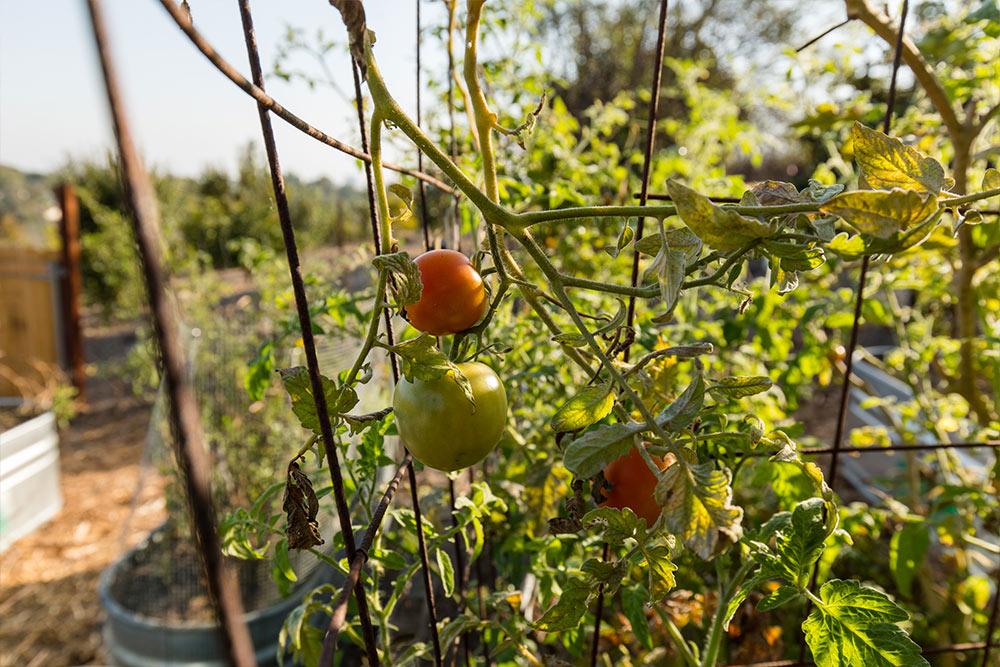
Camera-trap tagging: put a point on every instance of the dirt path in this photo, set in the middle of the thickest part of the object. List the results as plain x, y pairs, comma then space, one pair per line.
49, 606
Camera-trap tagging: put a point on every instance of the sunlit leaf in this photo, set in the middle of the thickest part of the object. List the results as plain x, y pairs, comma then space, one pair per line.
857, 625
615, 525
589, 406
886, 162
782, 595
661, 572
720, 228
569, 610
740, 386
447, 571
882, 213
299, 388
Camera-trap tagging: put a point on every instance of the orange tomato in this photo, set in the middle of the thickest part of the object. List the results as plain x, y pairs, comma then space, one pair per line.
453, 297
632, 485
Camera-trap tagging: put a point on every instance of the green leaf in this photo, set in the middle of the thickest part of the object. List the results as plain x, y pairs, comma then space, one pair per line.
882, 213
456, 627
886, 162
624, 238
697, 507
634, 606
907, 549
282, 562
798, 544
447, 571
779, 597
589, 406
570, 339
422, 360
740, 386
685, 407
615, 525
661, 572
258, 377
848, 247
408, 286
609, 573
856, 625
991, 179
821, 193
721, 228
400, 204
591, 452
299, 388
567, 613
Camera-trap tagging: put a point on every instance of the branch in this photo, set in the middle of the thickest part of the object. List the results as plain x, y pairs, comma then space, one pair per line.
882, 26
272, 105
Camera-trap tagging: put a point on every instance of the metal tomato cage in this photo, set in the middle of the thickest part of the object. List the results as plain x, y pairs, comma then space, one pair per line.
184, 417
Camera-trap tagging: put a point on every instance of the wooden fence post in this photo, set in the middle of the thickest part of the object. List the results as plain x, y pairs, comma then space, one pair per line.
71, 285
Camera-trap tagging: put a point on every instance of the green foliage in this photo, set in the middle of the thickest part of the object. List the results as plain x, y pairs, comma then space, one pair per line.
858, 625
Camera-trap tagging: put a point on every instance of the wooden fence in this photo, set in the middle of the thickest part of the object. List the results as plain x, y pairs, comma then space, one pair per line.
39, 310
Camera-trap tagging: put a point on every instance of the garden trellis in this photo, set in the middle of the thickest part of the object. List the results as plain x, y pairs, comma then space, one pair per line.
184, 419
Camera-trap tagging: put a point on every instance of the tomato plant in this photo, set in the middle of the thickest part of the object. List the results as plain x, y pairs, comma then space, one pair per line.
711, 508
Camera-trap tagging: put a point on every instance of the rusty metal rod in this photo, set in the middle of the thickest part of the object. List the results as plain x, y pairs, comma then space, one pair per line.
360, 557
185, 420
305, 324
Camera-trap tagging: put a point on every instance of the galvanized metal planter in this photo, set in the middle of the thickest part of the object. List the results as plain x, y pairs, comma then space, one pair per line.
29, 477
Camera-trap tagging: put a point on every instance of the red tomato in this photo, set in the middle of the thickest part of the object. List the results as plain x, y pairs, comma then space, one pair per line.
632, 485
453, 297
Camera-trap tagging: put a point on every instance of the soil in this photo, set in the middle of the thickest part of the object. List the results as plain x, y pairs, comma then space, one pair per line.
48, 579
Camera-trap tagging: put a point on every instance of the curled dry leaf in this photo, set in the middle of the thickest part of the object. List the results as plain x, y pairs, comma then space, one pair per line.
301, 507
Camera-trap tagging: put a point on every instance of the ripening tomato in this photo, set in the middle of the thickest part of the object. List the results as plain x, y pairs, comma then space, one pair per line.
439, 425
632, 485
453, 298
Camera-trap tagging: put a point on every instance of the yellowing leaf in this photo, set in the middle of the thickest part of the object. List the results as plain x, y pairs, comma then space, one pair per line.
882, 213
991, 180
588, 406
886, 162
721, 228
697, 507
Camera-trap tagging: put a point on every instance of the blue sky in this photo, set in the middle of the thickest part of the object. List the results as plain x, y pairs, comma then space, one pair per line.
185, 114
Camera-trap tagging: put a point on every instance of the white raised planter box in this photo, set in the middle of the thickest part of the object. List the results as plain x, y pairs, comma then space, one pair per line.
29, 477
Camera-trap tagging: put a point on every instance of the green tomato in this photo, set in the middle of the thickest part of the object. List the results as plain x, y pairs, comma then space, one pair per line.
439, 425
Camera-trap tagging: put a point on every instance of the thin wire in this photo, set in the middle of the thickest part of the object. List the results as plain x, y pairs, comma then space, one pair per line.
824, 34
185, 420
858, 305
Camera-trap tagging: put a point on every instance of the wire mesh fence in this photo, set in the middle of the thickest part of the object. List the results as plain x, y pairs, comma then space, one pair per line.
183, 419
